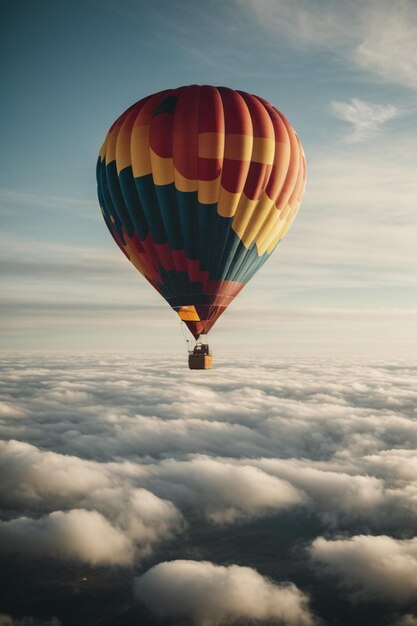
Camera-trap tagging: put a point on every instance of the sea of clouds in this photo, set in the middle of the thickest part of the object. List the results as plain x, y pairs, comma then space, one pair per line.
110, 460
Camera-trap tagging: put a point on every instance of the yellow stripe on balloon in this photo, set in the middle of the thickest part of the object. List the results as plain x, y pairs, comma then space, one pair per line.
292, 213
285, 212
269, 230
238, 147
227, 202
263, 150
208, 190
188, 313
134, 257
256, 219
282, 155
211, 145
141, 158
244, 212
284, 224
184, 184
275, 241
103, 148
162, 169
111, 146
123, 153
283, 231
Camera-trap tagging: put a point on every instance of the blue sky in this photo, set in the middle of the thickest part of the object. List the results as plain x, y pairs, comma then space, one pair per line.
343, 281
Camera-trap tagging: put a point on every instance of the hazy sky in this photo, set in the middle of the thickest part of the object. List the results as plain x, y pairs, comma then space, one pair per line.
345, 74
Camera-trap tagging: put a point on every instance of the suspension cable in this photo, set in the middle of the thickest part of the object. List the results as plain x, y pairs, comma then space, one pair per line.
188, 342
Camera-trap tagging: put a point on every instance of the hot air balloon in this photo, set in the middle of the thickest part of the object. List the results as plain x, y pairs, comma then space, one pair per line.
197, 186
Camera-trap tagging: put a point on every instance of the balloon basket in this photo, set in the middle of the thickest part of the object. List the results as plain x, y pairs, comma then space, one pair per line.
200, 358
200, 361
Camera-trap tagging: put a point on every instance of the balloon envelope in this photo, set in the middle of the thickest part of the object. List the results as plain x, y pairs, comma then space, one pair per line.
197, 186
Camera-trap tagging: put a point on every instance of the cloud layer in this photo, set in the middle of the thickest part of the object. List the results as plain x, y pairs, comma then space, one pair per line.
111, 461
89, 513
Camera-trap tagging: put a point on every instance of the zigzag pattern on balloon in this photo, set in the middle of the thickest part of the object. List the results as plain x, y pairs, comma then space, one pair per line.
198, 185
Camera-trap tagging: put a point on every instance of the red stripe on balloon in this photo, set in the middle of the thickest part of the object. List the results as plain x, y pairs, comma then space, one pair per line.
261, 120
210, 111
234, 174
236, 115
160, 137
257, 180
185, 133
209, 169
237, 122
135, 107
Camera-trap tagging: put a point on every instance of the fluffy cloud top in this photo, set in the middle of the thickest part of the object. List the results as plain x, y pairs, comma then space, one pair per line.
223, 491
111, 520
78, 534
108, 458
211, 594
335, 495
33, 477
376, 566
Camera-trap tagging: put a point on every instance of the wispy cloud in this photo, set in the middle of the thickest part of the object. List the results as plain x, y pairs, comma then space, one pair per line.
352, 245
10, 199
366, 119
388, 45
379, 37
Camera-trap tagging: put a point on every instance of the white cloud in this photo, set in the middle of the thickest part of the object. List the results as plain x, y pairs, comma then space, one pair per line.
144, 518
305, 23
377, 36
130, 460
32, 477
223, 492
399, 465
366, 119
219, 491
362, 497
151, 449
209, 594
130, 519
9, 411
372, 566
388, 46
77, 534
